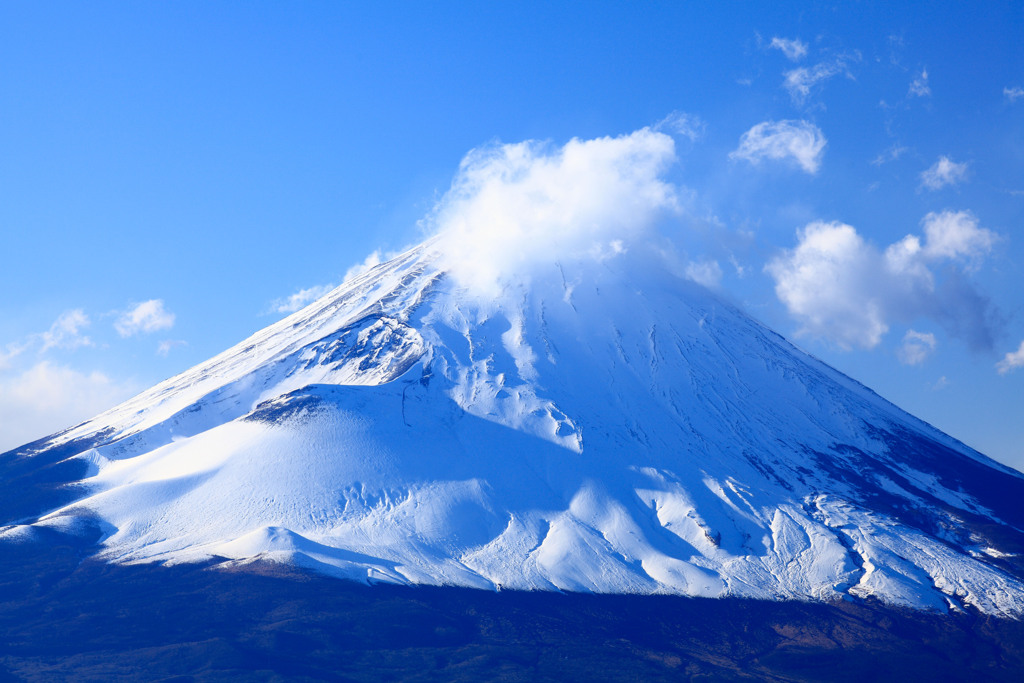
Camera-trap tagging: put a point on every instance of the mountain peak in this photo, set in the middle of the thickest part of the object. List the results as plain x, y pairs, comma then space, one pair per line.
597, 424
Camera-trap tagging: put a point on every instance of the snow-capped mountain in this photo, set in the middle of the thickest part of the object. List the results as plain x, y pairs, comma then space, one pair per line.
599, 424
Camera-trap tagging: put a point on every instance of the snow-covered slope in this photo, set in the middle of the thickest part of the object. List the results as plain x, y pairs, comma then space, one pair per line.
599, 425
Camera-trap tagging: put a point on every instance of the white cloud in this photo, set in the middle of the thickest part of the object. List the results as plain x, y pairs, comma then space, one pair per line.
371, 261
955, 235
168, 345
304, 297
707, 273
943, 172
916, 348
919, 86
801, 81
940, 384
1013, 94
685, 125
740, 269
514, 205
891, 154
301, 298
65, 332
1012, 360
822, 282
841, 288
801, 141
794, 49
9, 353
46, 398
148, 316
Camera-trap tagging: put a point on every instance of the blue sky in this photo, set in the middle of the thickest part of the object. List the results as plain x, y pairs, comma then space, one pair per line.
172, 175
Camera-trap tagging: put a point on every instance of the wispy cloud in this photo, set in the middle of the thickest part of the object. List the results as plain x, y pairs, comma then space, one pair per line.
795, 49
47, 397
844, 289
1013, 94
943, 172
919, 86
707, 273
10, 352
148, 316
800, 82
66, 331
891, 154
371, 261
685, 125
168, 345
1012, 360
301, 298
800, 141
917, 347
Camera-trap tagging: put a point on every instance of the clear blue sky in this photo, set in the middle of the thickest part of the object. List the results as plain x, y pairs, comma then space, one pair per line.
171, 172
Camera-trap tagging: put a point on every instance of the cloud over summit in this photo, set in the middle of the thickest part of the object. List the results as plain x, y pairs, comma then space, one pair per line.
513, 205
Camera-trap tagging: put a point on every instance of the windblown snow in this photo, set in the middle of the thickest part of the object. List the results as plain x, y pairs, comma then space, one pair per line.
600, 425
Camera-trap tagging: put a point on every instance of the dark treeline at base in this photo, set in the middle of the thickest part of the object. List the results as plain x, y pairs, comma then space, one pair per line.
65, 619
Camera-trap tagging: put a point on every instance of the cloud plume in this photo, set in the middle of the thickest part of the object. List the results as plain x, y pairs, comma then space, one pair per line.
513, 205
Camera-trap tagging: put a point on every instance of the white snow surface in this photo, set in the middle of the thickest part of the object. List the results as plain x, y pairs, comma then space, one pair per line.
599, 426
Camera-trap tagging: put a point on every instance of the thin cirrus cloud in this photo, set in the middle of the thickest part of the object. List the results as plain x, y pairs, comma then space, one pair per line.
892, 154
1012, 360
1013, 94
800, 82
148, 316
304, 297
841, 288
916, 347
685, 125
942, 173
66, 331
300, 299
919, 86
165, 347
794, 49
799, 141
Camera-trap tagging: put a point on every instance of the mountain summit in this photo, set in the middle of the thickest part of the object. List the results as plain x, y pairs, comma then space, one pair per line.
598, 424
